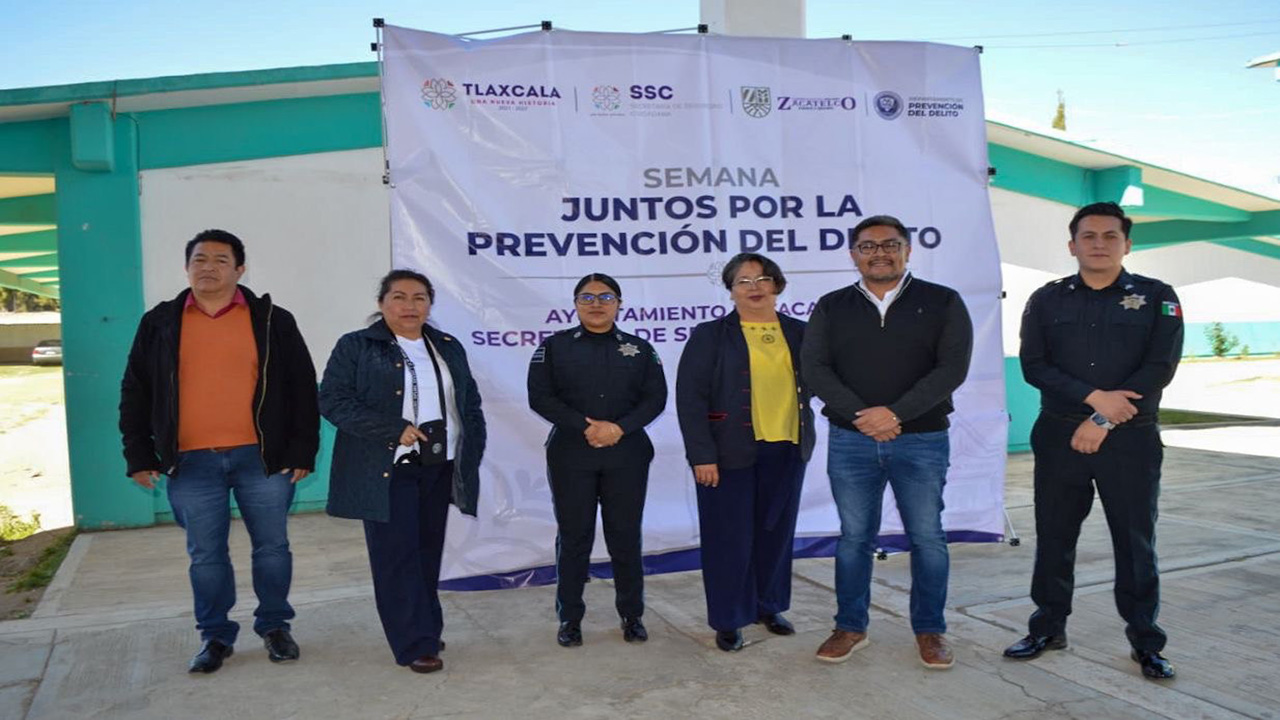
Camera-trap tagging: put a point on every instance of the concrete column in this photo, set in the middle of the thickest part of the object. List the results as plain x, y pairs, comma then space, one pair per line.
100, 269
764, 18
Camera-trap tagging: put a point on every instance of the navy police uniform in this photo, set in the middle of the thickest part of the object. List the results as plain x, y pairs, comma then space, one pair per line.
613, 376
1127, 336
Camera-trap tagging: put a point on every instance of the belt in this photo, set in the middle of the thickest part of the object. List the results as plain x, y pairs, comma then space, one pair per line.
224, 448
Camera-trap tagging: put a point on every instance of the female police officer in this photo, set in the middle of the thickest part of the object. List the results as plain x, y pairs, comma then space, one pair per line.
598, 387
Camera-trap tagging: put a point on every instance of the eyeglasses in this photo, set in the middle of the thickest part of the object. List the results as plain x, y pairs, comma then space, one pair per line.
588, 298
888, 247
753, 282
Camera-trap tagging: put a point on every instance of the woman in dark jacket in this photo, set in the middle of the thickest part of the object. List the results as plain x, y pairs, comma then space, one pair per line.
748, 432
410, 438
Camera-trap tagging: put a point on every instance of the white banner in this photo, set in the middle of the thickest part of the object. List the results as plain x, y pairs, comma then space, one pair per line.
520, 164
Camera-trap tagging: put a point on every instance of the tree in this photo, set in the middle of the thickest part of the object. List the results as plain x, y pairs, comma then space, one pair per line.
1221, 340
19, 301
1060, 118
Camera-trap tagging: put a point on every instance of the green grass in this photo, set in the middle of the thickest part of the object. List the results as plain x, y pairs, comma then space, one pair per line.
13, 527
41, 574
1191, 417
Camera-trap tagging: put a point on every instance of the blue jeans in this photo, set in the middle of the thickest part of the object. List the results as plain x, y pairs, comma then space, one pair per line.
915, 464
199, 493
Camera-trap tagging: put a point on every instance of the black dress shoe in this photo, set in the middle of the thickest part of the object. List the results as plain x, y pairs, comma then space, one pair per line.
633, 630
570, 634
729, 640
777, 624
1153, 664
280, 645
1032, 645
210, 657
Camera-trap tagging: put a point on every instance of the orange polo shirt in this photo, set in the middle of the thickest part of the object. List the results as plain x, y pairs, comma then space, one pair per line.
217, 376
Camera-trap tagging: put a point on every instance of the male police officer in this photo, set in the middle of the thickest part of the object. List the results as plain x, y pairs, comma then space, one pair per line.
1100, 345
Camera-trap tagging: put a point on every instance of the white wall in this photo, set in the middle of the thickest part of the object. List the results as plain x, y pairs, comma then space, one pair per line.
315, 227
1032, 235
760, 18
1031, 232
1198, 262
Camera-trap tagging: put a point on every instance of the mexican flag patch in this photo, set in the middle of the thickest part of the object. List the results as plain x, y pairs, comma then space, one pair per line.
1172, 309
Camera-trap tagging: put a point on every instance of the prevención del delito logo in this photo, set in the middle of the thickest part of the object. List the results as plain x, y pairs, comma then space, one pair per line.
888, 104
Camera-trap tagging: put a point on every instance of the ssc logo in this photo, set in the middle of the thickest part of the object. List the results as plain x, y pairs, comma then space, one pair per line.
606, 98
756, 101
439, 94
888, 104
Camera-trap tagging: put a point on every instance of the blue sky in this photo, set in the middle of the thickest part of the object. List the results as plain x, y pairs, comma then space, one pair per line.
1161, 81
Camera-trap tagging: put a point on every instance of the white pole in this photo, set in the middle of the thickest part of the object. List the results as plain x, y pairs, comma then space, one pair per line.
764, 18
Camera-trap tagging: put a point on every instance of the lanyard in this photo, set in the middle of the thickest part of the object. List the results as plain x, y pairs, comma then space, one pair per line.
413, 375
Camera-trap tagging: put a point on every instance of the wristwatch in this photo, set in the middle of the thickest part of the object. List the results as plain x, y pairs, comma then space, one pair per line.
1101, 421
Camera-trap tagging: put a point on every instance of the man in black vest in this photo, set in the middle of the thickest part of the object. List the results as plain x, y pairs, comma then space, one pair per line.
1100, 345
885, 354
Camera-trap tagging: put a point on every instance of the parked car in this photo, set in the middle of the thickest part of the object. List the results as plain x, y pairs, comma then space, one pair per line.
47, 352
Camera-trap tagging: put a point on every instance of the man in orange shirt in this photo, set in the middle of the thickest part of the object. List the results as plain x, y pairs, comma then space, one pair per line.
220, 396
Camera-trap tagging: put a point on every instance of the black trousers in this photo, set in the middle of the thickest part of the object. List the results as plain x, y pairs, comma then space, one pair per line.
748, 527
404, 555
619, 492
1126, 472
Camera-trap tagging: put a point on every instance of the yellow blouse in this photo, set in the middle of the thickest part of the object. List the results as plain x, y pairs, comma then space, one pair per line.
775, 411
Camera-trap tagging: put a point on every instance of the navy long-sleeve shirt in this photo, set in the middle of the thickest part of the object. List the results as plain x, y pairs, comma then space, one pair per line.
1127, 336
613, 376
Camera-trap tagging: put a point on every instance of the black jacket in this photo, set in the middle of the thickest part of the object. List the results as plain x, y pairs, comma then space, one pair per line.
713, 393
286, 417
1127, 336
910, 361
363, 396
613, 376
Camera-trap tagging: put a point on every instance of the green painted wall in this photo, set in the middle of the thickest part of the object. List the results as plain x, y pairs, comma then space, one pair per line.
1261, 338
246, 131
28, 146
100, 268
28, 210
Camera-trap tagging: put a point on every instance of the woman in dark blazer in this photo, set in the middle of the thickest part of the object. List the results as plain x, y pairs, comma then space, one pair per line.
410, 438
748, 432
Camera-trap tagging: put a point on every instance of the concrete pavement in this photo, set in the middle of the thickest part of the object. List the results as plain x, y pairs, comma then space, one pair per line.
113, 634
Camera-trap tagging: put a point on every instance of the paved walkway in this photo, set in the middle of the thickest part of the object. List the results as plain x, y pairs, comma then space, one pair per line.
112, 636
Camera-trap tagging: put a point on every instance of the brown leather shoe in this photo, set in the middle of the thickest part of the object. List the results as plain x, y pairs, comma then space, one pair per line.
841, 645
935, 651
427, 664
